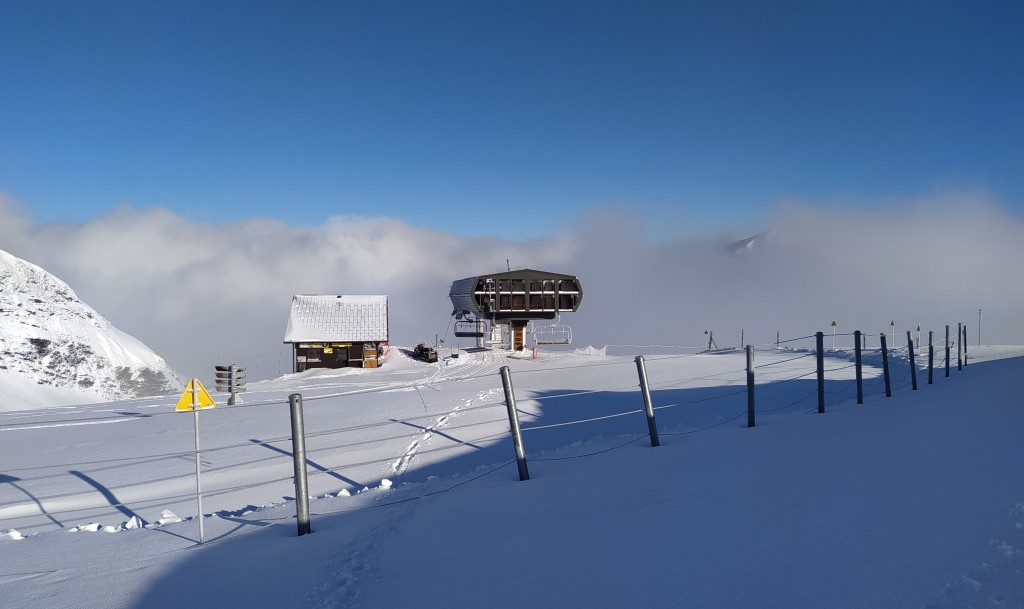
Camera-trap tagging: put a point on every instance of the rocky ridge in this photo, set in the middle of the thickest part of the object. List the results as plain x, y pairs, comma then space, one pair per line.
49, 336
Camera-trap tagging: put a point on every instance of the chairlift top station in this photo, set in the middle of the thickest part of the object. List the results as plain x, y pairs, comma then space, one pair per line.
524, 294
514, 298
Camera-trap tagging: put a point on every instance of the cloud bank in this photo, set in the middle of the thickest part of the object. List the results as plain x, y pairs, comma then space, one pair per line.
200, 294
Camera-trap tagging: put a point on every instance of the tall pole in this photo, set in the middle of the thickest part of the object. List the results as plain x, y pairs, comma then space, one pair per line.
885, 365
959, 346
859, 368
979, 327
931, 356
947, 350
750, 386
965, 344
819, 343
199, 486
299, 464
913, 362
513, 422
645, 391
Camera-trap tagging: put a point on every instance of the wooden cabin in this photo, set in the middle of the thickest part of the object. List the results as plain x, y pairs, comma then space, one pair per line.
337, 331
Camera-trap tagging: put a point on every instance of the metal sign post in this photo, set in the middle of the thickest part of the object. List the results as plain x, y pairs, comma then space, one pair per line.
199, 485
195, 398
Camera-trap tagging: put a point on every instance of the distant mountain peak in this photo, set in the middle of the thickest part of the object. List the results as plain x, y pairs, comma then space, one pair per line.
745, 245
50, 337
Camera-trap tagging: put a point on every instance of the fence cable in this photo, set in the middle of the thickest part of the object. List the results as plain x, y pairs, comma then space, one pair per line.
790, 405
785, 360
457, 443
683, 433
599, 452
700, 400
577, 422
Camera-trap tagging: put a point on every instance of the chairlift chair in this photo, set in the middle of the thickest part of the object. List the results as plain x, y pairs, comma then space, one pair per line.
553, 334
469, 328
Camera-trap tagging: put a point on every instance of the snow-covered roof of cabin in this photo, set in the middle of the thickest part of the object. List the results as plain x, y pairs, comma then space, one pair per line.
337, 318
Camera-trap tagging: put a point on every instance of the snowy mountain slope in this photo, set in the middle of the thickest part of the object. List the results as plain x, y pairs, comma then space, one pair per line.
749, 244
53, 340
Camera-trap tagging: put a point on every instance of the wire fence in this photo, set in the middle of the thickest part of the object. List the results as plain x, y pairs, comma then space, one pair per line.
686, 402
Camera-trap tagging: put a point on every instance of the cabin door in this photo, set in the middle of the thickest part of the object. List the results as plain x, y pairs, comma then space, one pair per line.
335, 357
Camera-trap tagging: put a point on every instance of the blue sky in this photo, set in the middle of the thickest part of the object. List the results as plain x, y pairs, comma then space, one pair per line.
505, 118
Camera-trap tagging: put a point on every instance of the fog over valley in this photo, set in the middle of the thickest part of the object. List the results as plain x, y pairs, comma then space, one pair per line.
200, 293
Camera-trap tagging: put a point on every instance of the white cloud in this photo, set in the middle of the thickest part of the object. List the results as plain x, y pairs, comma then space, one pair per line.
927, 262
205, 293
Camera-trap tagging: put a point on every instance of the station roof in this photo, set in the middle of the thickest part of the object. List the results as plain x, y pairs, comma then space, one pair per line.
337, 318
504, 299
522, 274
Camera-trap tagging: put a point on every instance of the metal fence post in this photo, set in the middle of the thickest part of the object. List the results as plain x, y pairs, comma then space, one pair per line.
885, 365
820, 342
859, 369
299, 457
652, 428
947, 350
931, 356
965, 344
913, 362
513, 421
959, 346
750, 386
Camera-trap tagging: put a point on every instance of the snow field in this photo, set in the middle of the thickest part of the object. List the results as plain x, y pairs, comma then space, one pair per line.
909, 498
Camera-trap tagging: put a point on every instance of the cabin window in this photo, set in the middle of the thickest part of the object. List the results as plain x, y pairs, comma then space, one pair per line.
518, 302
518, 285
541, 302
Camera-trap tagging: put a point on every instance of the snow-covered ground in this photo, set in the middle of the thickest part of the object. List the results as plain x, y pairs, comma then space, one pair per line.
911, 501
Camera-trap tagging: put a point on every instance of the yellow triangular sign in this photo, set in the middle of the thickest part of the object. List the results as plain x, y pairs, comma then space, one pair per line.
202, 397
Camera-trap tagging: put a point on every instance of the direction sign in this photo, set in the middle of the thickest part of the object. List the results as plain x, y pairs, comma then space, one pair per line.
195, 397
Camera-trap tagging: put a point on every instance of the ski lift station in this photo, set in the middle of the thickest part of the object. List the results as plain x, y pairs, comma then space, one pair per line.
512, 300
337, 331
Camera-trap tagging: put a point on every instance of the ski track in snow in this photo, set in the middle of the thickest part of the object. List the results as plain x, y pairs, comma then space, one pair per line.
400, 465
445, 371
67, 424
344, 572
